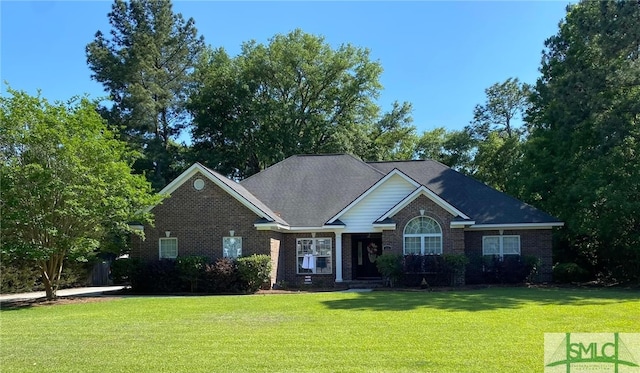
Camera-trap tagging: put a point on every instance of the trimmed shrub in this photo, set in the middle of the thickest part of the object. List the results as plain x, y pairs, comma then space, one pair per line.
455, 265
424, 270
511, 269
221, 277
161, 276
455, 262
390, 267
254, 272
191, 270
123, 269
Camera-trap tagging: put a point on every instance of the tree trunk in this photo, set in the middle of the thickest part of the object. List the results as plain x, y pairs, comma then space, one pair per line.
51, 273
50, 291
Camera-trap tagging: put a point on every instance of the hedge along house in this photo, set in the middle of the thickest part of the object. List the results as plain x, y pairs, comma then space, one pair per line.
328, 217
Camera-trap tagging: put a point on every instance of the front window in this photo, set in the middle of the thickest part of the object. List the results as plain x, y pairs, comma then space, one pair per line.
422, 236
501, 245
232, 247
314, 255
168, 248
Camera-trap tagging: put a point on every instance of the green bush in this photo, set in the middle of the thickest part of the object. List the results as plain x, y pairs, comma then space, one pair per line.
18, 277
569, 272
160, 276
390, 267
531, 267
221, 277
123, 269
191, 269
455, 265
254, 272
456, 262
511, 269
76, 273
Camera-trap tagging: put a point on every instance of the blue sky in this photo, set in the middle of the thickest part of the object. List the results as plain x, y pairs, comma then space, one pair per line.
439, 56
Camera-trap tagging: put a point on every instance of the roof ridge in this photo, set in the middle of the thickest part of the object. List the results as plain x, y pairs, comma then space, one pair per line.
401, 160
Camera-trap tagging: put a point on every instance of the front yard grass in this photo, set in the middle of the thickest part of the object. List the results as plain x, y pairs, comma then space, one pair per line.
488, 330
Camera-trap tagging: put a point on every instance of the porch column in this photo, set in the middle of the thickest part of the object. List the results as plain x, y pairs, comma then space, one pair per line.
338, 256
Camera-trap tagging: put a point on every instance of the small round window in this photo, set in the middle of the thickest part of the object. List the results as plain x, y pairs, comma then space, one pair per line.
198, 184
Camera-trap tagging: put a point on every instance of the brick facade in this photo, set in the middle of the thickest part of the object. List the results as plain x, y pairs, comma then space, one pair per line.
199, 219
290, 260
452, 238
536, 243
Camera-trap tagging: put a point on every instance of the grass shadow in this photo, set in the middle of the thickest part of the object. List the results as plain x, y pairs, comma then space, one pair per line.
15, 305
480, 299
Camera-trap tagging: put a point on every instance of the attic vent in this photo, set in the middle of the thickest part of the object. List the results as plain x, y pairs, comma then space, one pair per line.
198, 184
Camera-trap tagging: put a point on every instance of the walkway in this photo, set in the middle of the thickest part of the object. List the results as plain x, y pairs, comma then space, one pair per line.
88, 291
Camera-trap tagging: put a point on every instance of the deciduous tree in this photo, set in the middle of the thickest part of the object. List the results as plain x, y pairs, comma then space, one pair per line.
295, 95
582, 161
66, 181
497, 133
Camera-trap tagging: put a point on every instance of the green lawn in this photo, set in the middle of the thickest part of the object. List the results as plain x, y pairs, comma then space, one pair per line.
488, 330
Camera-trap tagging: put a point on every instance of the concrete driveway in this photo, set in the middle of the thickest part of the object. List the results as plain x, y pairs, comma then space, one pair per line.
88, 291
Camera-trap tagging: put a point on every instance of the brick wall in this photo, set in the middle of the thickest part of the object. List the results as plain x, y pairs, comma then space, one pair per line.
199, 219
536, 242
452, 239
289, 260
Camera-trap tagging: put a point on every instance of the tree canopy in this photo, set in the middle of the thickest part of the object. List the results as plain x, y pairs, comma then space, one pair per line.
66, 182
296, 95
582, 159
146, 65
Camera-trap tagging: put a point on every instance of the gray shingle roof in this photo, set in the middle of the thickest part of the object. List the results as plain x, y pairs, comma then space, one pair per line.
308, 190
480, 202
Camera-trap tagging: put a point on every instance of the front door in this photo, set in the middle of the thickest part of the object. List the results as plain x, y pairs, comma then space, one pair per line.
365, 251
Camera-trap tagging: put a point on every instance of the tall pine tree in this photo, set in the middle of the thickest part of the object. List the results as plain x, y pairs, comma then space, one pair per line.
146, 65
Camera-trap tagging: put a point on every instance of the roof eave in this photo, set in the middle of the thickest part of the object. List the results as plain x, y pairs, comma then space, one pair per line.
271, 226
461, 223
544, 225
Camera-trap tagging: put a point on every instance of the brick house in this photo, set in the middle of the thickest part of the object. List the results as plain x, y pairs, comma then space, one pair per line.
330, 216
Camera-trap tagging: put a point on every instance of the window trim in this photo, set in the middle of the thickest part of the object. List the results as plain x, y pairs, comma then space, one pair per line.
160, 247
232, 237
329, 257
422, 237
501, 237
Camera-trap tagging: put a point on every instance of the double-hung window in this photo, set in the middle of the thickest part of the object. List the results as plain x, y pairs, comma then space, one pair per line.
168, 248
314, 255
501, 245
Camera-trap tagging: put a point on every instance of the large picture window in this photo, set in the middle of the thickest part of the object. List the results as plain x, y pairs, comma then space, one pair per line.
232, 247
314, 255
168, 248
422, 236
501, 245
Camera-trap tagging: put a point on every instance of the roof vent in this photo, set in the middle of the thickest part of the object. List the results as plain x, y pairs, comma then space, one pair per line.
198, 184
